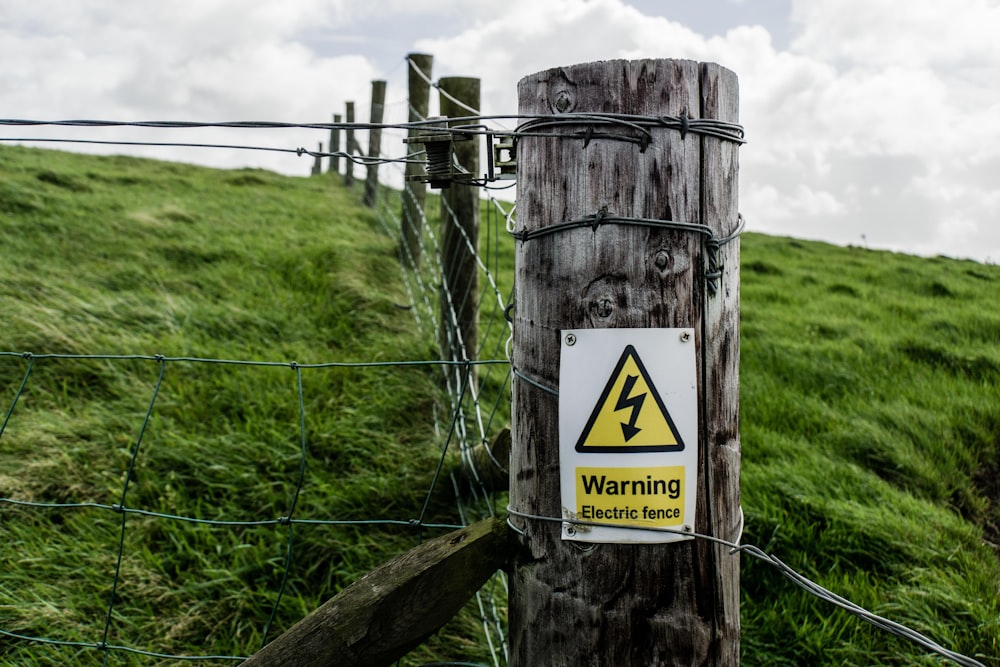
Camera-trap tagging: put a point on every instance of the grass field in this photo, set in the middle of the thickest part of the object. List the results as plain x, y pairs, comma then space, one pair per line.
870, 421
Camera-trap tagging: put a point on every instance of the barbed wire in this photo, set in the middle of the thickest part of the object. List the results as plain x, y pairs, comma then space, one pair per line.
362, 160
532, 125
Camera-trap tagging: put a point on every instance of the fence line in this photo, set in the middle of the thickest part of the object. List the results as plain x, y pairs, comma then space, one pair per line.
427, 287
463, 427
473, 407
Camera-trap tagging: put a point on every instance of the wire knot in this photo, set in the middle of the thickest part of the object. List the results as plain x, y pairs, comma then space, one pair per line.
508, 313
599, 217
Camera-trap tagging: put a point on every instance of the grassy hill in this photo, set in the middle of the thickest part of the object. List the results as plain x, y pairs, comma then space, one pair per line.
870, 421
871, 449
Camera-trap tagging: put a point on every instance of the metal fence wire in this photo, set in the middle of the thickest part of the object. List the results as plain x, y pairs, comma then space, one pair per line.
286, 510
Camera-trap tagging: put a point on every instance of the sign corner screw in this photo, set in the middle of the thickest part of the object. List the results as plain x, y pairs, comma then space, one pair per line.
571, 339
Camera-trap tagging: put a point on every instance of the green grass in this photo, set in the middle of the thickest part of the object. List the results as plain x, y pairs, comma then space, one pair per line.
120, 256
871, 436
870, 395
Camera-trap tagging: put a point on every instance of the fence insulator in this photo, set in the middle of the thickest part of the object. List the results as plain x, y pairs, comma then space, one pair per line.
442, 168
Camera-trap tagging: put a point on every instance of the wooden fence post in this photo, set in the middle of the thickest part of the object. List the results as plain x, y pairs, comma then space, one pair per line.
374, 142
335, 145
349, 143
574, 603
415, 192
317, 167
460, 229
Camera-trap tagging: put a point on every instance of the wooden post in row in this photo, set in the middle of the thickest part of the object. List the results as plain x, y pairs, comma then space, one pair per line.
374, 142
317, 167
415, 192
350, 142
573, 603
460, 229
335, 145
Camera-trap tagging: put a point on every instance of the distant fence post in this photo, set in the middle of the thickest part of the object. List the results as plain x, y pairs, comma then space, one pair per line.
317, 167
335, 145
415, 192
460, 228
621, 261
374, 142
350, 142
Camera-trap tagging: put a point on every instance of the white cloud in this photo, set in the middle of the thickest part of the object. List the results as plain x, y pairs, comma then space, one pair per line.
881, 33
880, 119
867, 125
529, 36
210, 60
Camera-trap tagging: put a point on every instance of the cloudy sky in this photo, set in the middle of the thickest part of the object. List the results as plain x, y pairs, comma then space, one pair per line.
870, 122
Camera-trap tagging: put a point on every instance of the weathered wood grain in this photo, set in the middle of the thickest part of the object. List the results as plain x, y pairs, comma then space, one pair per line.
374, 142
670, 604
382, 616
414, 192
460, 227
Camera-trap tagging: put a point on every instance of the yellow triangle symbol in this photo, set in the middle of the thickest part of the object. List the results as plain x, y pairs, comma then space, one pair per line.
630, 416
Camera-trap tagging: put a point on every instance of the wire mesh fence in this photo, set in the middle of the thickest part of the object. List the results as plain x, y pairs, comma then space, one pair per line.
279, 495
256, 487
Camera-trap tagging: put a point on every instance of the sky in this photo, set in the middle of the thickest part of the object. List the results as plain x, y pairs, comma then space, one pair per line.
869, 122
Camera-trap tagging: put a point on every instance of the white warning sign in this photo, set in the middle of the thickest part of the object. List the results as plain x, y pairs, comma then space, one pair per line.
628, 417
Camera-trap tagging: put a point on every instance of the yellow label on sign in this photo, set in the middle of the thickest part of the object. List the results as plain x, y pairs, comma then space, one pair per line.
652, 496
630, 415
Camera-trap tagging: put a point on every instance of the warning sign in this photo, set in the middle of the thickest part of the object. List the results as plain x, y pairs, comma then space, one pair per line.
628, 434
645, 496
630, 415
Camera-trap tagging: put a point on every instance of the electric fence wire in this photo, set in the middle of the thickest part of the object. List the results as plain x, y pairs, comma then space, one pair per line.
457, 370
789, 573
427, 281
536, 125
362, 160
473, 496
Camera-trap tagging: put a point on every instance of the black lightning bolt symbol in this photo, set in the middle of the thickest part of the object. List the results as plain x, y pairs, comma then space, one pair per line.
630, 430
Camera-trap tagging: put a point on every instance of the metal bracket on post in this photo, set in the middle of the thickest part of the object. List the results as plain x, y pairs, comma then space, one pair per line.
442, 169
502, 158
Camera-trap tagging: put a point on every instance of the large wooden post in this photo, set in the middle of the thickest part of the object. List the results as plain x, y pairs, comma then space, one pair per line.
578, 604
415, 192
460, 228
374, 142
